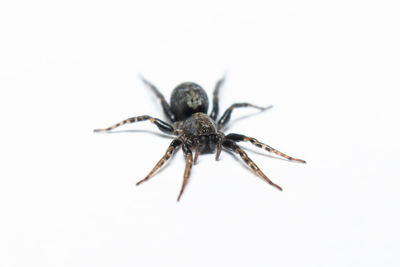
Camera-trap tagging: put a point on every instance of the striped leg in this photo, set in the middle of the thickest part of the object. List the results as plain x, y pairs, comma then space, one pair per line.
227, 114
164, 103
239, 137
214, 112
189, 163
233, 146
172, 147
163, 126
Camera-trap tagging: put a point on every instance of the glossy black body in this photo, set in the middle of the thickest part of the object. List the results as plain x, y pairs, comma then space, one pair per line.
195, 131
203, 130
187, 99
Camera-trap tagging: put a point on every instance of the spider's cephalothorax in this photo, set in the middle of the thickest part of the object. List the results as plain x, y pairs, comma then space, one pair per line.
202, 130
196, 131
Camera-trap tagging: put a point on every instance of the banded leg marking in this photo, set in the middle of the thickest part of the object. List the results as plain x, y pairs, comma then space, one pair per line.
239, 137
172, 147
231, 144
163, 126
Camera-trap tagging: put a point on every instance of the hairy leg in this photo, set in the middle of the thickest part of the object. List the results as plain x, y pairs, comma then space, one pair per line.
227, 114
239, 137
214, 112
235, 148
163, 126
172, 147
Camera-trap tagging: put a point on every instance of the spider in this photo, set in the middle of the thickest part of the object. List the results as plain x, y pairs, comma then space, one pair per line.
196, 131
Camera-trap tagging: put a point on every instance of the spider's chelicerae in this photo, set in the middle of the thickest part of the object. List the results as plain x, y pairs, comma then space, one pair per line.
196, 131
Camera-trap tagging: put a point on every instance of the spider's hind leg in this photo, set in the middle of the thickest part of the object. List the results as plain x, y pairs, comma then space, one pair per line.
235, 148
215, 110
225, 118
172, 147
240, 137
166, 107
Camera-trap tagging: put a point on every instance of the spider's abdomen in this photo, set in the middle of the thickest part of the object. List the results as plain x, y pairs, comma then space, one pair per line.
187, 99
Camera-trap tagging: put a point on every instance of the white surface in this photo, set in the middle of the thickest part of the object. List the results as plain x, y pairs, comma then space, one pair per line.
67, 195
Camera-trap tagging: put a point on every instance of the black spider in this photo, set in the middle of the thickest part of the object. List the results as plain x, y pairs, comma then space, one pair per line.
195, 130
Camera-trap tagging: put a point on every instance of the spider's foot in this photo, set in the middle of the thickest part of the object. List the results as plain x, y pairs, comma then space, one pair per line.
265, 108
298, 160
99, 130
141, 181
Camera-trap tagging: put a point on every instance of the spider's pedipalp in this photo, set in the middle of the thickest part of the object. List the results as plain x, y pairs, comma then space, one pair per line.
235, 148
172, 147
219, 149
188, 167
220, 139
162, 125
240, 137
196, 154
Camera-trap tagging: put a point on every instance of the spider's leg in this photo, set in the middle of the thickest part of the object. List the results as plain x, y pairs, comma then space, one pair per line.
239, 137
235, 148
189, 163
214, 112
172, 147
227, 114
163, 126
164, 103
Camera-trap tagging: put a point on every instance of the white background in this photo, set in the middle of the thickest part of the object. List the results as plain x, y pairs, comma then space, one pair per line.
68, 196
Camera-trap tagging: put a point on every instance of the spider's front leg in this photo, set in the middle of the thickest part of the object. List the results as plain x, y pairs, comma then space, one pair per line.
240, 137
188, 167
172, 147
230, 144
162, 125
